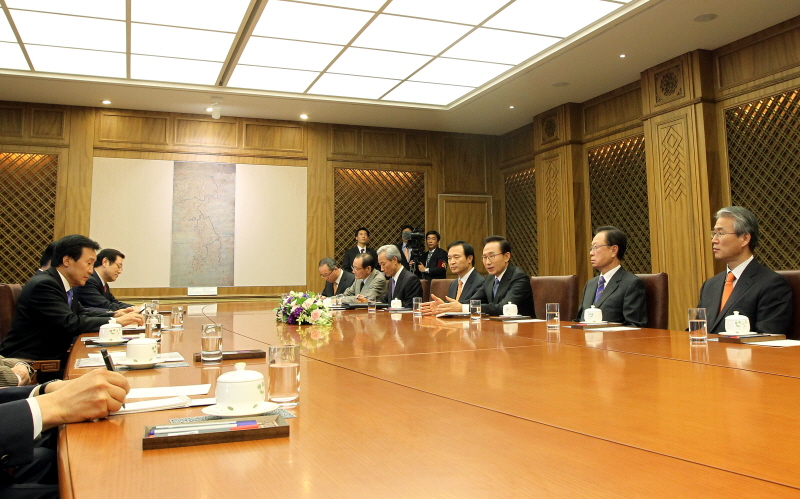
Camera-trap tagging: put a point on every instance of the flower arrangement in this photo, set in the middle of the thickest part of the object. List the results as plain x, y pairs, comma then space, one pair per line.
303, 308
308, 337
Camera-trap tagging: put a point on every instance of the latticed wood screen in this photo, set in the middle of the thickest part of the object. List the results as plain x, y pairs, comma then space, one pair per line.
28, 207
764, 157
521, 219
618, 192
381, 201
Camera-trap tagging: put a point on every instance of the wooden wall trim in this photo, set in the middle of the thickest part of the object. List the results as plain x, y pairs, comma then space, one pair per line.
213, 158
23, 123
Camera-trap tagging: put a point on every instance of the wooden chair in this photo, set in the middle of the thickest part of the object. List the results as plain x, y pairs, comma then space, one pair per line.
562, 289
793, 276
440, 287
8, 302
426, 290
656, 288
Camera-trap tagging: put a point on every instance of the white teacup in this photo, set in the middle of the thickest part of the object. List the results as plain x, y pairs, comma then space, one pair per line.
738, 324
111, 331
240, 390
510, 310
397, 303
142, 350
592, 315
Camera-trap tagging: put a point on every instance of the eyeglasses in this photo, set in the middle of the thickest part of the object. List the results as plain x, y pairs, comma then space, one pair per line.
357, 268
719, 234
490, 256
325, 276
598, 246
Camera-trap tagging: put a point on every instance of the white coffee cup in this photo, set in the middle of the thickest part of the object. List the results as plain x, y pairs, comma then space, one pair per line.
510, 309
240, 390
738, 324
111, 331
142, 350
397, 303
592, 315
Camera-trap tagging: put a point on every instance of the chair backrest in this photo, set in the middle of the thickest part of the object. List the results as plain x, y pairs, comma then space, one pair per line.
426, 290
793, 276
562, 289
440, 287
656, 289
8, 302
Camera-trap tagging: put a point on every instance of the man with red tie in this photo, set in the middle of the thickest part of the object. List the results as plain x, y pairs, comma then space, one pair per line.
96, 293
362, 240
746, 286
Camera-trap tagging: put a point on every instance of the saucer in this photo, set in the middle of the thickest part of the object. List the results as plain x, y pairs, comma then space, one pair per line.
214, 410
725, 333
130, 365
109, 343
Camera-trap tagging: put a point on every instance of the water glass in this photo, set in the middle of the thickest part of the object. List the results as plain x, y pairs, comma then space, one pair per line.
698, 324
284, 375
475, 310
211, 343
552, 316
152, 325
177, 317
372, 306
154, 306
417, 306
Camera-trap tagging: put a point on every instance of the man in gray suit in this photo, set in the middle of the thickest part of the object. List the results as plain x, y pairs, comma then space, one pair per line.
370, 284
617, 292
461, 258
746, 286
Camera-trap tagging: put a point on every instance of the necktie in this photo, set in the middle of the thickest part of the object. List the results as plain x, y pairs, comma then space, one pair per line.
601, 285
460, 289
391, 288
363, 284
496, 285
405, 251
428, 260
69, 297
727, 290
335, 287
362, 250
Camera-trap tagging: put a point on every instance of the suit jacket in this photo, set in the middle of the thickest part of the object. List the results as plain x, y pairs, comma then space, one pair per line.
345, 282
403, 258
436, 265
44, 326
406, 289
473, 284
94, 294
623, 299
16, 432
515, 287
352, 253
761, 294
373, 289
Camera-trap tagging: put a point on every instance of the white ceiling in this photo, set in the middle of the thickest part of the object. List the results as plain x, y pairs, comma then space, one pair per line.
477, 86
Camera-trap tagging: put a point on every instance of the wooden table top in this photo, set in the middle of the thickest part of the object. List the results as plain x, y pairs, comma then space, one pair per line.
392, 406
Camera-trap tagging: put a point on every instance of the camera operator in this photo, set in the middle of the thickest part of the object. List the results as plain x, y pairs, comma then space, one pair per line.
408, 245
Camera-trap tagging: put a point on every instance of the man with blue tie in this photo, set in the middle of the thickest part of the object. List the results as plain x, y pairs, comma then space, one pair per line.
48, 317
403, 285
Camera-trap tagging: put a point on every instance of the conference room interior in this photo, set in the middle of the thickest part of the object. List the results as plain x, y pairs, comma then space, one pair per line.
656, 155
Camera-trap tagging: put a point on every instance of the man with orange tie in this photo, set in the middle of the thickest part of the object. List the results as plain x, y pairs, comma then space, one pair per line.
746, 286
461, 257
336, 279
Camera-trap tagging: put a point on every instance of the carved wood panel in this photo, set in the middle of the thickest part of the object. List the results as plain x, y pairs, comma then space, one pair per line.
521, 223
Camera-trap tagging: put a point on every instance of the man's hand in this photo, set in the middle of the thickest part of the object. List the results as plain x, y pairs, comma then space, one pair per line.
421, 268
21, 370
437, 306
130, 318
123, 311
362, 299
92, 396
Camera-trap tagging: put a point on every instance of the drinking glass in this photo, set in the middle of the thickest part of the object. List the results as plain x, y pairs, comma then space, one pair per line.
475, 310
552, 316
177, 317
211, 343
154, 306
372, 306
417, 306
284, 375
152, 325
698, 325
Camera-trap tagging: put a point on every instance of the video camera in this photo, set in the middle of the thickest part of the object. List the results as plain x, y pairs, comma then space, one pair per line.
416, 241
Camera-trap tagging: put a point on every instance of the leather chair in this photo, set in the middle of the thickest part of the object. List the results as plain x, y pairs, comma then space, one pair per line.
8, 302
440, 287
426, 290
793, 276
656, 290
562, 289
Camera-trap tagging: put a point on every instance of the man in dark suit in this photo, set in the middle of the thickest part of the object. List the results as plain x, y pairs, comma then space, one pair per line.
44, 260
617, 292
404, 247
370, 283
362, 239
461, 256
403, 285
47, 318
96, 292
434, 264
746, 286
336, 279
28, 411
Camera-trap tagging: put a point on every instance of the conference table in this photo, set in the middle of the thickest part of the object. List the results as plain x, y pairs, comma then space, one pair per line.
392, 405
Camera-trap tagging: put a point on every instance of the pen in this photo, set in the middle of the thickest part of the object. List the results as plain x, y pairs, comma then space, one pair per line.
109, 363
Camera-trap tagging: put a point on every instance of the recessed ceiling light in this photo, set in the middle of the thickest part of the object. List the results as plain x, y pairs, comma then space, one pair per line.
303, 116
560, 84
511, 107
704, 18
622, 56
106, 102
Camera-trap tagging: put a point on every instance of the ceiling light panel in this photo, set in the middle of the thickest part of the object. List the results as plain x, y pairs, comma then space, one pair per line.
77, 61
311, 23
352, 86
104, 9
371, 5
11, 56
288, 54
279, 80
427, 93
458, 72
491, 45
365, 62
180, 42
6, 33
145, 67
69, 31
545, 17
404, 34
201, 14
457, 11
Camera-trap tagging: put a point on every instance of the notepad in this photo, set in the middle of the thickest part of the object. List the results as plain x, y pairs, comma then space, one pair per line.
96, 359
168, 391
155, 405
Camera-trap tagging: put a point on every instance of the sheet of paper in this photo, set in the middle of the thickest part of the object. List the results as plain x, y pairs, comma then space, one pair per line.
96, 359
525, 320
168, 391
618, 328
201, 402
777, 343
154, 405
